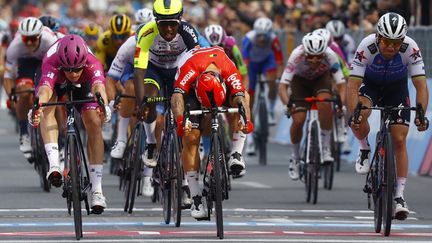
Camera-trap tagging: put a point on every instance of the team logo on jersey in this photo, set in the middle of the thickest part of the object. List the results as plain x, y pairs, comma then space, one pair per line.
372, 48
147, 32
137, 52
234, 81
360, 56
187, 77
415, 54
289, 68
403, 47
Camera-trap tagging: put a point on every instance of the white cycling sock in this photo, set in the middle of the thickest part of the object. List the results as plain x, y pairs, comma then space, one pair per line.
122, 128
326, 138
400, 186
192, 178
364, 144
239, 139
296, 151
96, 177
150, 132
52, 152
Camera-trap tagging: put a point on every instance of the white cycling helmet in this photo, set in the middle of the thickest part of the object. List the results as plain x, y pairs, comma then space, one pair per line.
324, 33
392, 26
3, 25
314, 44
144, 15
336, 28
214, 34
30, 26
263, 25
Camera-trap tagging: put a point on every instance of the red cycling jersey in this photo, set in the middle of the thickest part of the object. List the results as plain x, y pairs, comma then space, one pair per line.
196, 61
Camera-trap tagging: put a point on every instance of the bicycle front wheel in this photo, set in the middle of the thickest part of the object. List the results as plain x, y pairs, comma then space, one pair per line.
176, 179
74, 175
314, 164
136, 165
389, 182
217, 174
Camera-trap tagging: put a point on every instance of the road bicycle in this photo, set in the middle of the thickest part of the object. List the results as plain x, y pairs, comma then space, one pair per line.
168, 173
215, 177
381, 178
311, 161
76, 174
38, 155
261, 122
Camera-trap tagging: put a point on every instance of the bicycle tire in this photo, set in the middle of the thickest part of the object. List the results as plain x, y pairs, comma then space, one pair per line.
304, 170
125, 179
76, 186
136, 167
217, 174
262, 133
376, 191
389, 182
176, 179
314, 163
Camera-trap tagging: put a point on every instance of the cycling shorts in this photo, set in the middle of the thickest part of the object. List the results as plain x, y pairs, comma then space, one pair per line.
257, 68
302, 88
164, 79
395, 94
79, 93
28, 71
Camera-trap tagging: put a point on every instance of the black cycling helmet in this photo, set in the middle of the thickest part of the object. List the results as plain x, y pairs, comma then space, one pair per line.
49, 22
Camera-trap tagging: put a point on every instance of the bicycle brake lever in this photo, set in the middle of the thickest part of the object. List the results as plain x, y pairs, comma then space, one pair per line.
357, 112
35, 106
242, 113
100, 101
420, 112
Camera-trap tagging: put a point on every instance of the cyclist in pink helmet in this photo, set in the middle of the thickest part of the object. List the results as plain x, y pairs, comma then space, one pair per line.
69, 61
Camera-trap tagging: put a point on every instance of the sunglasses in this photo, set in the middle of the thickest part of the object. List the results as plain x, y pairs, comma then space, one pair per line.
309, 57
168, 22
120, 37
72, 70
389, 42
92, 37
32, 38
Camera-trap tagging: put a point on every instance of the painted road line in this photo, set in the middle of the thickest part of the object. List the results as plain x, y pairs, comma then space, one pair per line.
211, 240
311, 211
203, 224
253, 184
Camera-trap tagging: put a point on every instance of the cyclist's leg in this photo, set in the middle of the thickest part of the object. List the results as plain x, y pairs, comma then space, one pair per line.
95, 147
322, 89
398, 96
50, 133
253, 72
27, 68
299, 91
368, 95
189, 157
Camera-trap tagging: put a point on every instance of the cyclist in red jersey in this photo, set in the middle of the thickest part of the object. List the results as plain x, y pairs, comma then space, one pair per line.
207, 71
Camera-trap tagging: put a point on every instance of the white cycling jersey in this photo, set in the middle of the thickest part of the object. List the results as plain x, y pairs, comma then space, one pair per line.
297, 65
125, 55
17, 49
370, 65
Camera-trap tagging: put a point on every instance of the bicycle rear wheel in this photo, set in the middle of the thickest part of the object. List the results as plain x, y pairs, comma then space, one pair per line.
136, 165
262, 133
74, 175
176, 179
218, 177
389, 182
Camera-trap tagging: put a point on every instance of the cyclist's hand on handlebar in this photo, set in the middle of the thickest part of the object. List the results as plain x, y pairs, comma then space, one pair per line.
107, 116
421, 127
291, 108
37, 117
247, 128
353, 124
183, 128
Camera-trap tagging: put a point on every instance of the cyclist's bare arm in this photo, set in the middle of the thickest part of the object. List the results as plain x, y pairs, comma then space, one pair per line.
422, 92
177, 104
283, 93
101, 89
8, 84
44, 93
342, 92
139, 84
353, 86
110, 87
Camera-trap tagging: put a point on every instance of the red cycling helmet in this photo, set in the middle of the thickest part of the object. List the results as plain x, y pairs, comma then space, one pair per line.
209, 87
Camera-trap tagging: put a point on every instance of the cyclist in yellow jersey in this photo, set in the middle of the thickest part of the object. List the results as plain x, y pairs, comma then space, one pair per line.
92, 33
111, 40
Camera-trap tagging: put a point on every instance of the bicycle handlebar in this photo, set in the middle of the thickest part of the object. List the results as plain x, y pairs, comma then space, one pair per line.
311, 100
240, 109
13, 95
119, 96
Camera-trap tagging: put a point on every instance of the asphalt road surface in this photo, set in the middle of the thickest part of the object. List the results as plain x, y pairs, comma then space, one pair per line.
264, 206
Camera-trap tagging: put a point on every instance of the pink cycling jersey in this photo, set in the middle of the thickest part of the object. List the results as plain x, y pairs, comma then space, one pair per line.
51, 74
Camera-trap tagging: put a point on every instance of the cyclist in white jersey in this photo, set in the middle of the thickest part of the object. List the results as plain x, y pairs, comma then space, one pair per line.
379, 75
23, 59
343, 39
309, 72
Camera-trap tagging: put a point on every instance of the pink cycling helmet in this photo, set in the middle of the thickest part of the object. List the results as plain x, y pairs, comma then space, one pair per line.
72, 51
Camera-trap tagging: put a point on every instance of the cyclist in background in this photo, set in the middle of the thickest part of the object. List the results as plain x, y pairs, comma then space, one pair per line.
52, 23
217, 36
142, 16
343, 39
379, 75
23, 59
310, 71
202, 74
70, 61
91, 35
111, 40
263, 55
